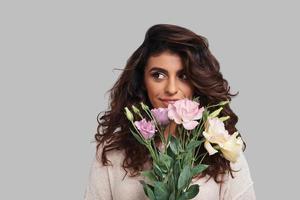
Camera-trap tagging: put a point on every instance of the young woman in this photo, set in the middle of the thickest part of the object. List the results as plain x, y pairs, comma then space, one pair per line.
172, 63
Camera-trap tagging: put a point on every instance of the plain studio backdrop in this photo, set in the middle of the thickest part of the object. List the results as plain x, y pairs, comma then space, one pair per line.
56, 64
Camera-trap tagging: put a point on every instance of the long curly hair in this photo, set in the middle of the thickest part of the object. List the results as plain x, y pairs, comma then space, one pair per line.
202, 70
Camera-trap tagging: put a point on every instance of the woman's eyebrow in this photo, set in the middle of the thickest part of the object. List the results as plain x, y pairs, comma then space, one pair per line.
158, 69
163, 70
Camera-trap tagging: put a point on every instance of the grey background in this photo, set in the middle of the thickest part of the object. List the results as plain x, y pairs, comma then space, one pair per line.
57, 60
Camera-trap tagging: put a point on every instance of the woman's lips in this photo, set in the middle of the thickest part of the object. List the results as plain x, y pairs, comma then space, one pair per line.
166, 102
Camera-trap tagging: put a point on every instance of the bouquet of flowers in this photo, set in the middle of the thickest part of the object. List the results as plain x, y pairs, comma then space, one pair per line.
176, 159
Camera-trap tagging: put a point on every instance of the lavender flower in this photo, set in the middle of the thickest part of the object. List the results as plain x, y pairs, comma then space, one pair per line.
146, 128
161, 115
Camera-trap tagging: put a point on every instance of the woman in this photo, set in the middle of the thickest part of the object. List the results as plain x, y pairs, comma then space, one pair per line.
172, 63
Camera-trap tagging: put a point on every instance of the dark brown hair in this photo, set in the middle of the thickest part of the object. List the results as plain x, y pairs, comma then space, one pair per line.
201, 68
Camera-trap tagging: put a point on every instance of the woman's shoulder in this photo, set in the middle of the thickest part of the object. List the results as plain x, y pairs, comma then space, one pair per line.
102, 177
240, 170
240, 164
114, 157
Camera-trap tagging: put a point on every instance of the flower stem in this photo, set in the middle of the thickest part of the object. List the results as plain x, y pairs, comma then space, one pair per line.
203, 158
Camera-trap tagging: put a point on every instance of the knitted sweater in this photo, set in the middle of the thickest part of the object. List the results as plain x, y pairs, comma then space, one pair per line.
110, 182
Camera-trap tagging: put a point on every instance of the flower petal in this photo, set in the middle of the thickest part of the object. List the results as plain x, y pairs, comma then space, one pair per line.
199, 113
161, 115
147, 129
232, 148
190, 125
209, 148
173, 115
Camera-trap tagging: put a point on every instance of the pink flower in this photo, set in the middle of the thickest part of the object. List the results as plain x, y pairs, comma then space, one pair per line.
146, 128
161, 115
185, 112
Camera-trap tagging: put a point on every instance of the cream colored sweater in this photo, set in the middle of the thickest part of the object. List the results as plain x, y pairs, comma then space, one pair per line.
107, 183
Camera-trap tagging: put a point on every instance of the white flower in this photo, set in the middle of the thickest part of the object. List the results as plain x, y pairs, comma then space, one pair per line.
215, 133
232, 148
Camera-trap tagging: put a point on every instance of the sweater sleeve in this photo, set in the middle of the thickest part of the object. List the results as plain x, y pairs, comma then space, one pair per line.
240, 187
98, 186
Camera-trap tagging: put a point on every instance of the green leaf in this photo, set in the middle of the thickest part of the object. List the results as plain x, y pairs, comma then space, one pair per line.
144, 186
171, 182
198, 169
174, 147
148, 189
150, 175
172, 196
190, 193
162, 167
166, 160
176, 171
193, 144
188, 157
171, 153
184, 177
161, 191
157, 170
150, 193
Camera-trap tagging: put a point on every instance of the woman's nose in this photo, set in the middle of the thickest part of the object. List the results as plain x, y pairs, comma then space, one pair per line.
171, 87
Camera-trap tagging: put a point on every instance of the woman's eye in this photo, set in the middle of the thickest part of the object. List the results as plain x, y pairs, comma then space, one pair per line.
158, 75
183, 77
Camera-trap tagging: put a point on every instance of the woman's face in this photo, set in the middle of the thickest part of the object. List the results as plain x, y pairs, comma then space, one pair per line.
165, 80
